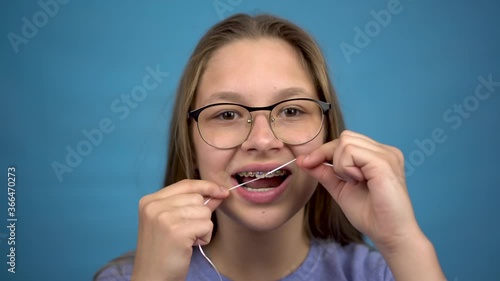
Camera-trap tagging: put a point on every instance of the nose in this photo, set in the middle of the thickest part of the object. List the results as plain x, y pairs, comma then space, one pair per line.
261, 137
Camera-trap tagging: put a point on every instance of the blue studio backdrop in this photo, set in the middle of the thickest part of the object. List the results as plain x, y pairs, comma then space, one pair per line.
421, 75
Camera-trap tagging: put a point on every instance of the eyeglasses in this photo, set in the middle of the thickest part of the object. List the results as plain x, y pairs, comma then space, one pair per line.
227, 125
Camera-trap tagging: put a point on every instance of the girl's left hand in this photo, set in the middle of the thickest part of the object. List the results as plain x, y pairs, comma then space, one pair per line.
373, 194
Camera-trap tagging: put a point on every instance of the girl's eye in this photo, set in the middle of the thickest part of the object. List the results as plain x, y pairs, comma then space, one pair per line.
290, 112
227, 115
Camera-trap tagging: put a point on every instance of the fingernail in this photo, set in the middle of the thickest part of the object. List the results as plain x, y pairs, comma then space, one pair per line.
223, 189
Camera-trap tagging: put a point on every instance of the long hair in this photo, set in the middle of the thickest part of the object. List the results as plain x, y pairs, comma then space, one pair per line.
323, 217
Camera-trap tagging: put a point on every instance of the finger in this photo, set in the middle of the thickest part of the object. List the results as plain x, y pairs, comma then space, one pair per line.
324, 174
327, 177
388, 157
359, 162
321, 155
213, 203
200, 231
171, 213
334, 152
348, 138
344, 162
324, 152
187, 205
348, 133
193, 232
318, 156
205, 188
181, 215
199, 212
180, 200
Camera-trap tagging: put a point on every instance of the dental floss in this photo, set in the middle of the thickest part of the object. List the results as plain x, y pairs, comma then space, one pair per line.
211, 263
241, 184
257, 178
264, 175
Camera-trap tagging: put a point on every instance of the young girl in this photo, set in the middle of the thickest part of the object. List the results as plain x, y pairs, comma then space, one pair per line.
255, 95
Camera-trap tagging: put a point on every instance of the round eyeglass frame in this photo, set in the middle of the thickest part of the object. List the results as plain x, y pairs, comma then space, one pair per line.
195, 114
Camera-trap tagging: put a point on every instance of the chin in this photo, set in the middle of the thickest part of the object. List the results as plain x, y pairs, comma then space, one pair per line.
260, 218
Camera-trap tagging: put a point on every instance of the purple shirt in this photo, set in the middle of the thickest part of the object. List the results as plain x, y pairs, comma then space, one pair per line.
325, 261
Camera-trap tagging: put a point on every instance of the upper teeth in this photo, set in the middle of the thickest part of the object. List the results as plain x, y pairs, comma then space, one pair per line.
261, 174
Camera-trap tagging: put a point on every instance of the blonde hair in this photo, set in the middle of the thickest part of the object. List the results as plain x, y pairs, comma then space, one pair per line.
323, 217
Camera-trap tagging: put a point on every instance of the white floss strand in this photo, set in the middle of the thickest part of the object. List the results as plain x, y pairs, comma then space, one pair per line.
241, 184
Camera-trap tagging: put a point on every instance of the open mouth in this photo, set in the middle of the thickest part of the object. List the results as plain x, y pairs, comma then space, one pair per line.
266, 183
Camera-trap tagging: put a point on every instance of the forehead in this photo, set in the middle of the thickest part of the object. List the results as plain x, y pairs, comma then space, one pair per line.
254, 72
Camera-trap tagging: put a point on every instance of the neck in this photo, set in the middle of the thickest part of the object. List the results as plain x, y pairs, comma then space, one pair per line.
244, 254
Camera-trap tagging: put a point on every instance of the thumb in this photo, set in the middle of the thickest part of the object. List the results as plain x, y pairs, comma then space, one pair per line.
213, 202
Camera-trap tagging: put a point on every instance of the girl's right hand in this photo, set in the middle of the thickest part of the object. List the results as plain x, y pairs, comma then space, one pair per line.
172, 221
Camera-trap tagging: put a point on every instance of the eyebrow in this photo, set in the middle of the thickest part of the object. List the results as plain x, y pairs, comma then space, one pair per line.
228, 96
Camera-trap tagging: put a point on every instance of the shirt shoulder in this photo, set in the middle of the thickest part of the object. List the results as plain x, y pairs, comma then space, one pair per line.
119, 269
330, 261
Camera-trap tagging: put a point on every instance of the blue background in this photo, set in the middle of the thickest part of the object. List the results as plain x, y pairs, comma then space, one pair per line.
396, 90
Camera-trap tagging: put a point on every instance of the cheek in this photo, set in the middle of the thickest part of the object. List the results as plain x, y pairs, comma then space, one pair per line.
214, 168
310, 146
202, 151
211, 162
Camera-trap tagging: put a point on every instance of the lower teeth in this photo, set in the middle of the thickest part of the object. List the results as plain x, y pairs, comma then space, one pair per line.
258, 189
